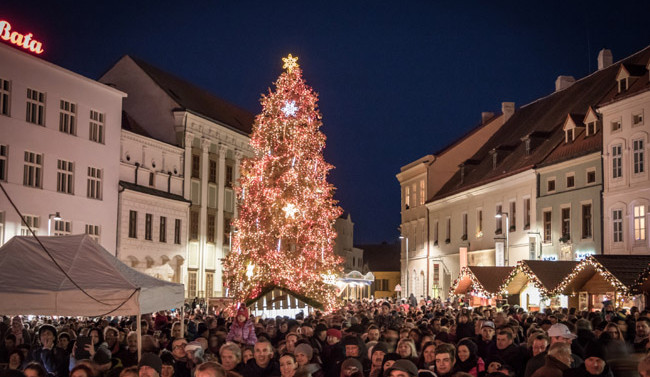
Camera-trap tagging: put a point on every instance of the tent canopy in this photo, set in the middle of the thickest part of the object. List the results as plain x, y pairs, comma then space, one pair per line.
31, 283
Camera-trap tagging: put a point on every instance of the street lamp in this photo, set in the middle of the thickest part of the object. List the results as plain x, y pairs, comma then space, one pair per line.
56, 216
498, 216
406, 291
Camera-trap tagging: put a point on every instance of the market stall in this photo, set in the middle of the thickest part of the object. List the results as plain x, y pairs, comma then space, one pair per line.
531, 285
622, 279
480, 285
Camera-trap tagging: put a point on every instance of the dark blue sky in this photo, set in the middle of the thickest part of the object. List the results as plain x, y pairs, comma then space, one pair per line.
397, 79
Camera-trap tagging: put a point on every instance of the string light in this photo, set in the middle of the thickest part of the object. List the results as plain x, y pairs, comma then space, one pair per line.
273, 190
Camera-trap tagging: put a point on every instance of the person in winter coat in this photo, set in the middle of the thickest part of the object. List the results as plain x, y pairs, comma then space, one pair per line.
558, 359
242, 329
51, 357
594, 365
468, 360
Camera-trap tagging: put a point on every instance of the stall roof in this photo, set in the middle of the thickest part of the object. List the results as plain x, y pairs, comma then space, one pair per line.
488, 279
625, 272
545, 275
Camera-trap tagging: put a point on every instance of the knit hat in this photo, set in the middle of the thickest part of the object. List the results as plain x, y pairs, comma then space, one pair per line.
404, 366
594, 350
350, 340
351, 362
102, 356
47, 327
320, 328
335, 333
380, 346
304, 349
151, 360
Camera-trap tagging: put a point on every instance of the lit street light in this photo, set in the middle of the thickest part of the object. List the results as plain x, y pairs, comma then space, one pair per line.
507, 253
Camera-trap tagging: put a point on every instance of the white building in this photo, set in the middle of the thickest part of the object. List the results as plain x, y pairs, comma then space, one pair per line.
152, 213
59, 150
344, 244
626, 196
214, 136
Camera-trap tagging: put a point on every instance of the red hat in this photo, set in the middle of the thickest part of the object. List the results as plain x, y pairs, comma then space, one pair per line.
335, 333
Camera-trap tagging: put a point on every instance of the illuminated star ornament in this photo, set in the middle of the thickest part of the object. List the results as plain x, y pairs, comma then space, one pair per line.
290, 108
290, 210
290, 63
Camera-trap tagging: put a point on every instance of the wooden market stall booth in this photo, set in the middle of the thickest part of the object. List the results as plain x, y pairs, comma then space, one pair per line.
480, 285
622, 279
531, 285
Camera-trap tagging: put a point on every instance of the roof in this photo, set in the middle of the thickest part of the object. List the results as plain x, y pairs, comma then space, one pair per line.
546, 114
627, 271
194, 99
152, 191
545, 275
581, 146
491, 277
638, 82
129, 124
382, 257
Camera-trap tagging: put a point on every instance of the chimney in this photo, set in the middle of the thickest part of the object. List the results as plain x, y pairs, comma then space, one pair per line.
485, 116
563, 82
605, 58
508, 109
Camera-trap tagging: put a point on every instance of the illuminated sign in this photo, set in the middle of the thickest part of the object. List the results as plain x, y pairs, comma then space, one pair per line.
24, 41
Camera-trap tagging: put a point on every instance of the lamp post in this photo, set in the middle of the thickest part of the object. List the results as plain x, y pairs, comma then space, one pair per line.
406, 291
507, 253
56, 216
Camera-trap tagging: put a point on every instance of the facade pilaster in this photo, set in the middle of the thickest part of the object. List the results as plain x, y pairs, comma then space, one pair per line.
203, 216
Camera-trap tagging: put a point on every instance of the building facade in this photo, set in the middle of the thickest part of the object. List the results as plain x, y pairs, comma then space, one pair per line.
152, 213
214, 136
344, 245
59, 150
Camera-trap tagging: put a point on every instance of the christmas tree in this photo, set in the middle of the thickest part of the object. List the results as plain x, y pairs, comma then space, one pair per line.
285, 229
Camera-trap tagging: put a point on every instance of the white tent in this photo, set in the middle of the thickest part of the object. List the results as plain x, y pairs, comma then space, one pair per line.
31, 283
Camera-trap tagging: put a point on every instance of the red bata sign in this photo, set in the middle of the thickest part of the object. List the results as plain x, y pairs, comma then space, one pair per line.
24, 41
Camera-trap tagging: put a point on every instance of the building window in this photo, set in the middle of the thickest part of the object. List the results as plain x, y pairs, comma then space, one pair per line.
191, 283
226, 230
638, 153
617, 158
591, 176
381, 285
637, 119
93, 231
65, 177
162, 237
499, 220
5, 91
177, 231
586, 221
527, 213
479, 223
617, 221
639, 223
616, 125
423, 193
94, 183
513, 216
591, 128
209, 284
211, 227
194, 225
33, 170
550, 185
68, 117
229, 178
32, 222
464, 225
35, 107
407, 197
133, 224
3, 162
570, 181
212, 170
435, 232
148, 219
622, 85
96, 133
547, 226
566, 223
196, 166
62, 228
448, 231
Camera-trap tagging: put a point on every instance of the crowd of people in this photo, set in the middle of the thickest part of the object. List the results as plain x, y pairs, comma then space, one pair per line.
369, 338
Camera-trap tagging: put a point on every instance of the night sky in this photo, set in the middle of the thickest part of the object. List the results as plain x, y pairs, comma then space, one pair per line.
397, 79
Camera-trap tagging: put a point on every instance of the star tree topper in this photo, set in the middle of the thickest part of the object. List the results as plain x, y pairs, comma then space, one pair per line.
290, 63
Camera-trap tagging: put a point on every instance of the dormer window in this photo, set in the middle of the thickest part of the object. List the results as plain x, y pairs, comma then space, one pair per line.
571, 125
592, 120
592, 129
622, 85
625, 72
569, 135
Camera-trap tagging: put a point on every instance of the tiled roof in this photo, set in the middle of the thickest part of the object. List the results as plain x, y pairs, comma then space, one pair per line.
628, 269
381, 257
197, 100
581, 146
638, 82
546, 114
491, 277
152, 191
129, 124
